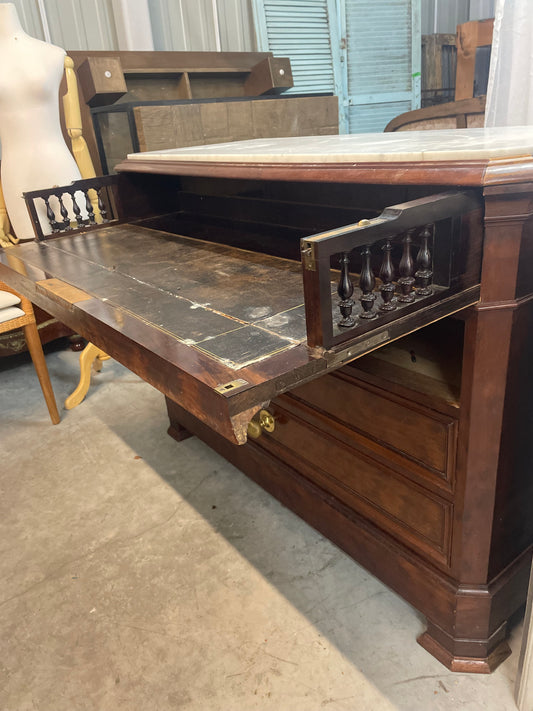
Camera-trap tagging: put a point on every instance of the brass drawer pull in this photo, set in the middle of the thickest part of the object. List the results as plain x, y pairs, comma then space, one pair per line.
264, 423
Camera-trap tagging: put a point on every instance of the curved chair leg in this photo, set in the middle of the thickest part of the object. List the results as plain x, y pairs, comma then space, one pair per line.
89, 355
36, 351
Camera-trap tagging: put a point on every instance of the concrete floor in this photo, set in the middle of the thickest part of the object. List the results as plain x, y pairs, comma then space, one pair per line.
141, 574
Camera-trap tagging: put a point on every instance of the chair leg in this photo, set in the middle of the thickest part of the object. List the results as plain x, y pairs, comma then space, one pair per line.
37, 356
89, 354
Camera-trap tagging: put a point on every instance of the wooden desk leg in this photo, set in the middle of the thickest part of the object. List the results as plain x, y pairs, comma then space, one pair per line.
176, 430
89, 355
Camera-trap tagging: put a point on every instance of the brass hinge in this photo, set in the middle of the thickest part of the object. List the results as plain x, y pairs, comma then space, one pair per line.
308, 256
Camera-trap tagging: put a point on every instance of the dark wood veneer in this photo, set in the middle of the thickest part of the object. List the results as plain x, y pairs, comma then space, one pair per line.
421, 472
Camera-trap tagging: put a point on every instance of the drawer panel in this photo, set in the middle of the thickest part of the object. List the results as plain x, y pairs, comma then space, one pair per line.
417, 517
426, 436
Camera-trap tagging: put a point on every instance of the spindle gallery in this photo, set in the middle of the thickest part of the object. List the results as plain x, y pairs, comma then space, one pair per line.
390, 295
84, 204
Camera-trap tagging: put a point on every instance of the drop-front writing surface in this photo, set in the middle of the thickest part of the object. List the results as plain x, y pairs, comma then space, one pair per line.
232, 322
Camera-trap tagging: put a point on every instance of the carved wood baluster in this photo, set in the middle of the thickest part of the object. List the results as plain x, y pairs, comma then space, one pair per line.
407, 268
345, 291
50, 214
101, 206
89, 208
386, 274
76, 209
64, 213
424, 274
367, 282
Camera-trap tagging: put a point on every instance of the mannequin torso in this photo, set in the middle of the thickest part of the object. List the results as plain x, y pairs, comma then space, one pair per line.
34, 153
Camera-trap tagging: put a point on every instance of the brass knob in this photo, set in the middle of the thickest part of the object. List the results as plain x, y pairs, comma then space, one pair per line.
267, 421
254, 429
363, 223
264, 423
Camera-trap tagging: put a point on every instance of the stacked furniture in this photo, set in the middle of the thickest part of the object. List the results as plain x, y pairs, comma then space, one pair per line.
473, 41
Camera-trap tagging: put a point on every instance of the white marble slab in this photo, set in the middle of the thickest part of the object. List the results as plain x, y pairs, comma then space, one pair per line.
446, 144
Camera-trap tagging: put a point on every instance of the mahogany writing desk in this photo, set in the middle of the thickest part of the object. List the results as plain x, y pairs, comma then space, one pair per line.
366, 301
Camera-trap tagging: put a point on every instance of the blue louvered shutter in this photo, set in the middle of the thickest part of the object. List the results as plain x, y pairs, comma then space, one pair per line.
305, 32
383, 47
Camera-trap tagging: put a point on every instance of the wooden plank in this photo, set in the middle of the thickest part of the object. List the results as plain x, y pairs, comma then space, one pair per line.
67, 292
177, 61
470, 35
432, 48
181, 125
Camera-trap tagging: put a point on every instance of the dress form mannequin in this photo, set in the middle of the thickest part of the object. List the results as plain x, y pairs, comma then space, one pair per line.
34, 153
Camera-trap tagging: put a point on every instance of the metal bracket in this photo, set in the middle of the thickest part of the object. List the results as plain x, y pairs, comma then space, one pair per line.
224, 388
308, 256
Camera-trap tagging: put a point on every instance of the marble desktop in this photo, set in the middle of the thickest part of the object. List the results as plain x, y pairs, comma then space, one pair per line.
434, 145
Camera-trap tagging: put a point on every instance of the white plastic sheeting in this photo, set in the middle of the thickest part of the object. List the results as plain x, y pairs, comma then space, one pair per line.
510, 88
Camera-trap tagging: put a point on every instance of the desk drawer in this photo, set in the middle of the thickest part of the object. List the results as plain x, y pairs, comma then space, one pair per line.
419, 518
419, 434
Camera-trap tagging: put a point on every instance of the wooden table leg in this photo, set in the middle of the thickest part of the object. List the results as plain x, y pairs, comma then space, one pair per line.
176, 430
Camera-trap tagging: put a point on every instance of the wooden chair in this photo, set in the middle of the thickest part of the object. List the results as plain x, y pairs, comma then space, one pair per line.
93, 202
27, 322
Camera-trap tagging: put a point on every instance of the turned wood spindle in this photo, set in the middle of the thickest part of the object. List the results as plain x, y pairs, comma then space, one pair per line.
101, 206
367, 281
64, 213
424, 274
407, 268
50, 214
89, 208
386, 274
76, 209
345, 291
